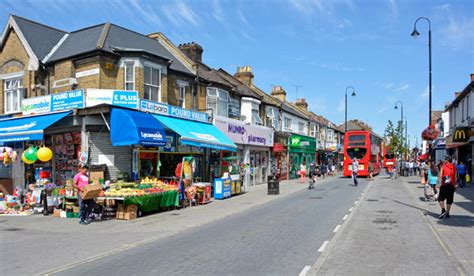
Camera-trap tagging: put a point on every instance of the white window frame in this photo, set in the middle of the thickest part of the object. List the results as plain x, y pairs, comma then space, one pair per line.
300, 127
312, 129
145, 84
218, 100
468, 116
182, 96
126, 63
287, 123
18, 89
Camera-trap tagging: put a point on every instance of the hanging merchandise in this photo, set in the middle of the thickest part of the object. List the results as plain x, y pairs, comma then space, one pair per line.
31, 154
44, 154
26, 160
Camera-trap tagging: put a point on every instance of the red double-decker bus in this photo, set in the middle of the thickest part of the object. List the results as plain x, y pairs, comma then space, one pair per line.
366, 147
389, 159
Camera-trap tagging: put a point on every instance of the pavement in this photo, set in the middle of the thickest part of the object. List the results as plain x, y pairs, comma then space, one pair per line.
393, 231
280, 237
25, 240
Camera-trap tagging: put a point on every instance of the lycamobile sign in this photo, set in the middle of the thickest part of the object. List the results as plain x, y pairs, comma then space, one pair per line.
53, 102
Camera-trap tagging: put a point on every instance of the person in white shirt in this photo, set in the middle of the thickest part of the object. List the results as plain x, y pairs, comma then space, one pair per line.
355, 171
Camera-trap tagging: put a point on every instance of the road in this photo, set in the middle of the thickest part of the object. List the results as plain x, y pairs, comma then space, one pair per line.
279, 238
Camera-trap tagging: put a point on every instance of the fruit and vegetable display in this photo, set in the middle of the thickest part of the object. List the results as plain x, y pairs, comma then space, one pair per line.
145, 187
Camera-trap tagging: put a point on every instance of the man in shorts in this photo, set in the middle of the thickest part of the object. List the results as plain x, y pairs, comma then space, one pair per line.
446, 189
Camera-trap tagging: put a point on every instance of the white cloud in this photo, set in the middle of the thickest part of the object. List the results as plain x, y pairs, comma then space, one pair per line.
242, 16
325, 10
388, 85
217, 11
393, 7
340, 67
179, 13
457, 31
425, 93
401, 88
145, 11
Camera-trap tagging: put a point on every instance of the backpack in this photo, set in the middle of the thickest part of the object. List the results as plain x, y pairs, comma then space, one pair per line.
448, 172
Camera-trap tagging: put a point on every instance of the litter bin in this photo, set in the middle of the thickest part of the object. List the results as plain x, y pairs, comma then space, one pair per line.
273, 185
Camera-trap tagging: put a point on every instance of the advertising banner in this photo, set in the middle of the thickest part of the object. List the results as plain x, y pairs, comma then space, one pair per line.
113, 97
241, 133
173, 111
300, 143
54, 102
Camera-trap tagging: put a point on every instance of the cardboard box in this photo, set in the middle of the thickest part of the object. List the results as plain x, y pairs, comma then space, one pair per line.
94, 176
91, 191
131, 208
57, 213
75, 209
127, 213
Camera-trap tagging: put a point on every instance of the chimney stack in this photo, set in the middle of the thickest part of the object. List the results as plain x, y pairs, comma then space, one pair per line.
279, 93
456, 94
245, 75
472, 77
192, 50
301, 103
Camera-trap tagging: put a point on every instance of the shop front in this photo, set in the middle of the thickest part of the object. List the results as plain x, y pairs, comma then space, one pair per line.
252, 160
301, 150
280, 155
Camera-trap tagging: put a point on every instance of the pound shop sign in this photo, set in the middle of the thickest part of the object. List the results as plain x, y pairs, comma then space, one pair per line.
114, 97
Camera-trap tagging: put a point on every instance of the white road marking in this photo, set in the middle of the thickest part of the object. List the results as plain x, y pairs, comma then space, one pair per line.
323, 246
352, 208
355, 202
336, 229
304, 270
345, 217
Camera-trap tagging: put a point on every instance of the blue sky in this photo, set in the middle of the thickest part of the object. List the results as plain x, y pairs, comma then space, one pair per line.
322, 46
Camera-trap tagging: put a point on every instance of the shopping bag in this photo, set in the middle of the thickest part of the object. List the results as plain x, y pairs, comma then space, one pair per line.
468, 178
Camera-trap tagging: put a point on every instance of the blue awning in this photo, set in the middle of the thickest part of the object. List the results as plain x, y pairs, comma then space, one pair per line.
128, 127
197, 133
28, 128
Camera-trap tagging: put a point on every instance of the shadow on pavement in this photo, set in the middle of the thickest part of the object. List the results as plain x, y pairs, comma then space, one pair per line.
454, 220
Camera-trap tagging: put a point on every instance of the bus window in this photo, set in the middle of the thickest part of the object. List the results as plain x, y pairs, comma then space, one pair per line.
357, 138
389, 156
358, 153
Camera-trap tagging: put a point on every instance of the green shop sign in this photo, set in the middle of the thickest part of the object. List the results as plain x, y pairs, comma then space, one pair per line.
300, 143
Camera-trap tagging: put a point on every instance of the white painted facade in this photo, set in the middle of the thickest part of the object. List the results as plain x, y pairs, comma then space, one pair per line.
250, 110
460, 114
294, 124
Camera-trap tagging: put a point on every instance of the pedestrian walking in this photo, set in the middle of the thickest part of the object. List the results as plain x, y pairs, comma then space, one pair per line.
303, 172
313, 175
426, 167
446, 189
355, 171
432, 179
461, 168
371, 171
81, 179
324, 169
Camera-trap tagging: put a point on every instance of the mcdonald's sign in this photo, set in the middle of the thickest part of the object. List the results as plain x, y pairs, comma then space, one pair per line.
461, 134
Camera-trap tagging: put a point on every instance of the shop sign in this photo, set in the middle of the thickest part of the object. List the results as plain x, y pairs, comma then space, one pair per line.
461, 135
113, 97
440, 143
36, 105
153, 107
242, 133
86, 73
170, 145
302, 142
277, 147
67, 100
179, 112
54, 102
234, 107
173, 111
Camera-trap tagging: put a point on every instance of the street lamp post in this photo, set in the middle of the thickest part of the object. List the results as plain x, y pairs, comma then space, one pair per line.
406, 136
401, 118
345, 106
415, 34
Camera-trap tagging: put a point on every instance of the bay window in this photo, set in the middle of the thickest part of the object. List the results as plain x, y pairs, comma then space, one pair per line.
152, 83
218, 101
13, 90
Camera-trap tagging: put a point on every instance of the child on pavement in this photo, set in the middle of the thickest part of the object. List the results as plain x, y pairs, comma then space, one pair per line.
433, 177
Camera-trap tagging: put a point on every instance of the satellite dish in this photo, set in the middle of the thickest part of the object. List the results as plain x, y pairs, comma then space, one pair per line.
243, 118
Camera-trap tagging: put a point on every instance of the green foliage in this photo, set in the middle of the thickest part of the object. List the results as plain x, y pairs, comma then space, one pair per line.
394, 137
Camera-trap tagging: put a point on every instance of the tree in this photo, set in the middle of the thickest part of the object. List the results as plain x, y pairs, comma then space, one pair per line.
394, 137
